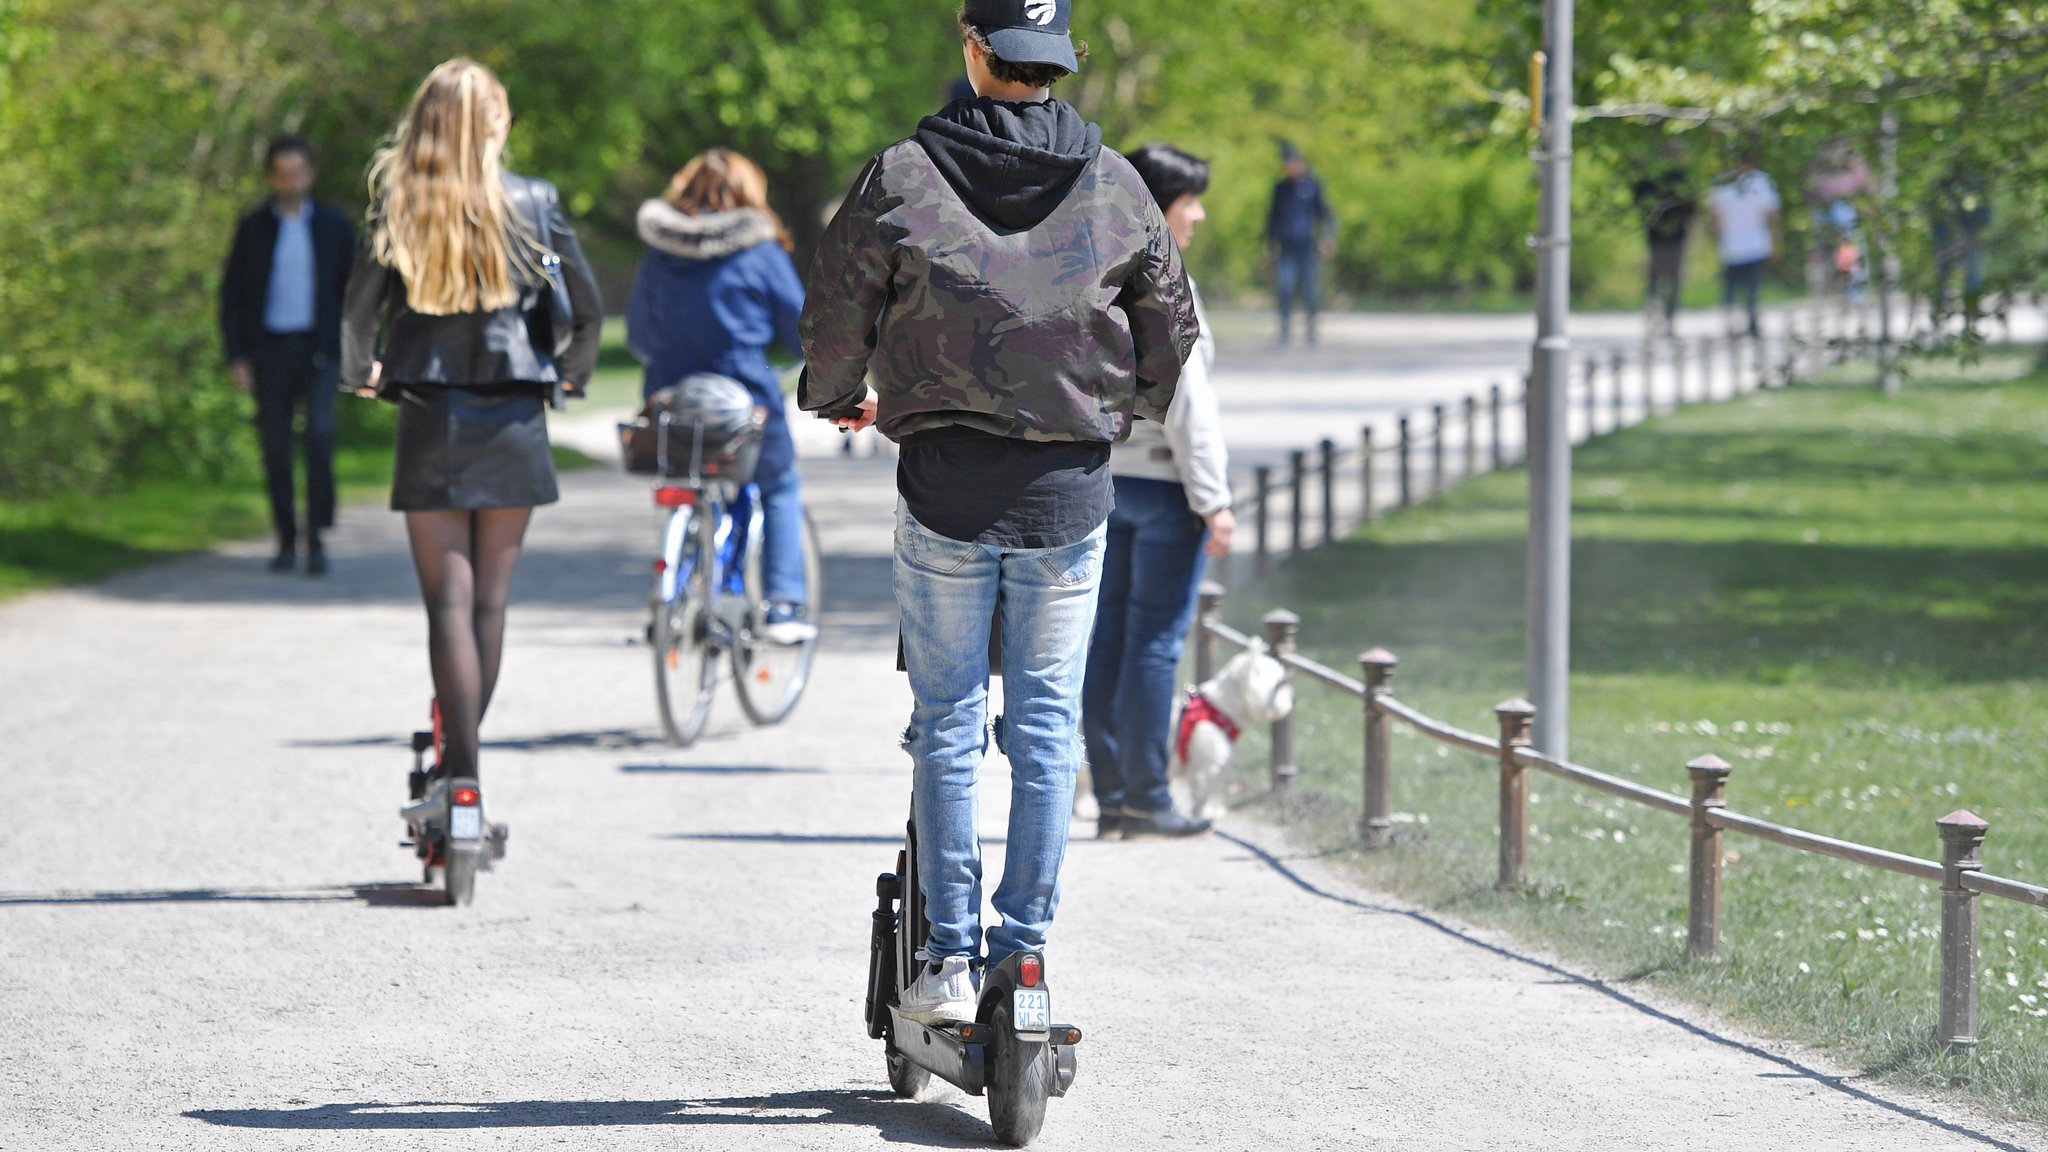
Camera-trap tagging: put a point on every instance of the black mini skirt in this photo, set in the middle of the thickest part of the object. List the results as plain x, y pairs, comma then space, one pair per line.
472, 448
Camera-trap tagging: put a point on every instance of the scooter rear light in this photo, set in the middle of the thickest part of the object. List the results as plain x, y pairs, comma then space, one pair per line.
467, 797
1030, 970
670, 496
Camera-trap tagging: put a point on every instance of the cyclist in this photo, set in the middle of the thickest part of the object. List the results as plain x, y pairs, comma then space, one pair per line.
1020, 296
452, 264
715, 289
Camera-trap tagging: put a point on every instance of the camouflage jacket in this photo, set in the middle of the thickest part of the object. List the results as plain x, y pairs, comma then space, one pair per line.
1061, 331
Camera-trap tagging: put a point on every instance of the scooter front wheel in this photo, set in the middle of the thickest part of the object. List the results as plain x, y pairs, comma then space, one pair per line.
1019, 1083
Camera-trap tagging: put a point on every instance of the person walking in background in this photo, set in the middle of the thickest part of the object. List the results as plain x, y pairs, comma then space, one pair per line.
280, 321
1667, 205
454, 274
1172, 502
1301, 232
1018, 297
1962, 214
1746, 213
715, 289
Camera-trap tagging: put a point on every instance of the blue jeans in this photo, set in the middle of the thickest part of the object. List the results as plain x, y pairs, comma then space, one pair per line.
1747, 281
1300, 272
1151, 569
949, 592
782, 537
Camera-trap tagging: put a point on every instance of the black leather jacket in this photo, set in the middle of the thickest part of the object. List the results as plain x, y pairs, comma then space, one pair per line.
472, 349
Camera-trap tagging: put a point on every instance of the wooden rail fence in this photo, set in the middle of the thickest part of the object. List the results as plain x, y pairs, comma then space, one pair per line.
1959, 871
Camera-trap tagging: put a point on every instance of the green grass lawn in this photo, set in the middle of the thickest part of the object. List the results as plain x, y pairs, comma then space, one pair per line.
75, 539
1844, 596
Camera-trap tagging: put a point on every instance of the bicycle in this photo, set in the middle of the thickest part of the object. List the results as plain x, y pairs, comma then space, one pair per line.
708, 607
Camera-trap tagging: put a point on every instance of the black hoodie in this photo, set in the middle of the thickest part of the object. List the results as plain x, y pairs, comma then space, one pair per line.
1012, 163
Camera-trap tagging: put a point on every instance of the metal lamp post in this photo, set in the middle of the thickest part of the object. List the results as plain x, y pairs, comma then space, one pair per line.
1549, 572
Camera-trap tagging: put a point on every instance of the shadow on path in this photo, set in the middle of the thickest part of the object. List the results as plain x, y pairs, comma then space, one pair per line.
621, 739
893, 1120
380, 895
800, 838
1793, 1069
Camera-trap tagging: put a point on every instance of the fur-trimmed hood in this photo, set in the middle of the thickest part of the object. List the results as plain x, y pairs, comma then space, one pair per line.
706, 236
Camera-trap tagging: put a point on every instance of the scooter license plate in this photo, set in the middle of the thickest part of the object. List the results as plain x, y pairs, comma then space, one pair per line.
1031, 1010
465, 823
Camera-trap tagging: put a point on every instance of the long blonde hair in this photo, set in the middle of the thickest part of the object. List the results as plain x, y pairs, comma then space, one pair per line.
441, 218
721, 180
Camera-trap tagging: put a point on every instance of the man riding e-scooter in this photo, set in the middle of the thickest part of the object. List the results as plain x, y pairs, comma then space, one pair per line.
1016, 294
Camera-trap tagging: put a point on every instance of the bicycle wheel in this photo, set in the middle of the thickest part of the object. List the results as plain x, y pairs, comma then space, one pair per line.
771, 676
685, 667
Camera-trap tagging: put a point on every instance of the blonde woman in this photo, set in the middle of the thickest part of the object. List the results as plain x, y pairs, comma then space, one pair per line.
716, 288
445, 314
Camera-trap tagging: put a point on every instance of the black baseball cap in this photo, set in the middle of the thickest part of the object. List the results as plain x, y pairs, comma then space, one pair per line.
1027, 31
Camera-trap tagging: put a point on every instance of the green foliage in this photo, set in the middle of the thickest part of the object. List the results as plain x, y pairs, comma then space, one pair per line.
1836, 591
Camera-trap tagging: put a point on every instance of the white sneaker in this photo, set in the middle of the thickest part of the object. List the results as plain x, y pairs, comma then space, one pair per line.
946, 996
784, 624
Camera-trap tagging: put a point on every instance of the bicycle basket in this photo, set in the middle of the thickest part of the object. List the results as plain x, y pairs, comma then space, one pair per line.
706, 427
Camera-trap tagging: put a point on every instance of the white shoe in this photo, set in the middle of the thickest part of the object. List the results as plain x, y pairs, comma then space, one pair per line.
946, 996
785, 625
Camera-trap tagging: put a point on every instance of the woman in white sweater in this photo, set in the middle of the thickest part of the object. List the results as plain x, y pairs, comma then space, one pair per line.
1172, 505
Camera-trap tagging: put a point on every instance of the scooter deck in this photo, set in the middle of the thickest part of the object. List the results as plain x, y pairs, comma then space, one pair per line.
958, 1053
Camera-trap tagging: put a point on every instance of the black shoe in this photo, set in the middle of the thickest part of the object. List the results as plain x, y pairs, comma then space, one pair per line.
1161, 825
316, 556
1109, 825
285, 560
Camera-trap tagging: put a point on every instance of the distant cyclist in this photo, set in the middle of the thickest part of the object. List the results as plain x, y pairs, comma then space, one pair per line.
439, 316
715, 289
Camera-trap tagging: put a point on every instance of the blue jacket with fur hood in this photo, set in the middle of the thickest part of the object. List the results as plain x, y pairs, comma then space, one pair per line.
714, 291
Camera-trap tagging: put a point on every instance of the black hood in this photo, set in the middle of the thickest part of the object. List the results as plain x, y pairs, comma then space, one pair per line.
1012, 163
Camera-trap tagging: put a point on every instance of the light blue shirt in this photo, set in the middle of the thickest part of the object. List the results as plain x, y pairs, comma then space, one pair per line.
289, 307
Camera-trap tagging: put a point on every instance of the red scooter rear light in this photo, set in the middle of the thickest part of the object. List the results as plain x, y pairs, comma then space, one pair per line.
1030, 970
670, 496
467, 797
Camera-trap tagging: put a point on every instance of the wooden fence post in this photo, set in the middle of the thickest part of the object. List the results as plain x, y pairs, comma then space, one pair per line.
1592, 397
1649, 380
1376, 824
1493, 406
1471, 437
1366, 481
1209, 612
1620, 364
1436, 452
1328, 449
1262, 483
1282, 627
1703, 895
1515, 717
1403, 451
1297, 479
1962, 841
1677, 373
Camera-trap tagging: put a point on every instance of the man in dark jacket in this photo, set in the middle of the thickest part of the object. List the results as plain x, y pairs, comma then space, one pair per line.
1668, 205
1017, 296
280, 319
1301, 232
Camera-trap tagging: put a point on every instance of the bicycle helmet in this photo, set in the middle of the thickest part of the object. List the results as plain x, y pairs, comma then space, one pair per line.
713, 428
721, 404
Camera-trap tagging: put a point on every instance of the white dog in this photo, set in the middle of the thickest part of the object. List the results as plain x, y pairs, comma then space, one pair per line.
1252, 689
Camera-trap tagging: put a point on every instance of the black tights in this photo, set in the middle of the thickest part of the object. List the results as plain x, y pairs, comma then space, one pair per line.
465, 561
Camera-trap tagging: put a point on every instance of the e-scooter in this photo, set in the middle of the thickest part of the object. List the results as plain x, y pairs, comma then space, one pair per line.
450, 835
1013, 1053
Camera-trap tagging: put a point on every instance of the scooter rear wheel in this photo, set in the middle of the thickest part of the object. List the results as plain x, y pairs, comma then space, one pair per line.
907, 1080
1019, 1083
459, 877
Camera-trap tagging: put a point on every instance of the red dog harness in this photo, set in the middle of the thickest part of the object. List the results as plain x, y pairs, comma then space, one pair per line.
1196, 711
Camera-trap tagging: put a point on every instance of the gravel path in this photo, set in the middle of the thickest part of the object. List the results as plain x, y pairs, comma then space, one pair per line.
209, 938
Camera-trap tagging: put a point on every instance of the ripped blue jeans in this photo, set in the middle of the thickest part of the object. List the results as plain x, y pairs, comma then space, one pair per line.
949, 592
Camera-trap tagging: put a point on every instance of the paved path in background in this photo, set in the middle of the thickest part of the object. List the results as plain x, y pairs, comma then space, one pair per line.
209, 938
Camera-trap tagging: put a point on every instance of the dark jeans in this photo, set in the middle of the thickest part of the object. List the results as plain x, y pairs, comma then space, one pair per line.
289, 375
1746, 280
1299, 271
1667, 275
1150, 571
